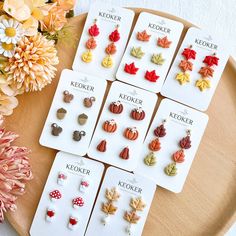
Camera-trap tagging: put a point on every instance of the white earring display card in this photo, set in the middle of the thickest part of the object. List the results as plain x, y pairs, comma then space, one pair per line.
73, 114
150, 50
196, 70
122, 205
122, 126
68, 196
171, 144
103, 40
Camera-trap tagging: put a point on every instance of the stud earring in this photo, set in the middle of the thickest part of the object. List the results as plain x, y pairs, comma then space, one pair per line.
61, 178
151, 76
116, 107
137, 114
186, 65
61, 112
50, 214
155, 144
124, 154
84, 185
55, 195
131, 69
90, 43
88, 102
137, 204
102, 146
56, 129
82, 119
68, 97
143, 36
109, 126
157, 59
131, 133
77, 202
207, 72
77, 135
110, 50
73, 222
108, 208
137, 52
178, 156
163, 42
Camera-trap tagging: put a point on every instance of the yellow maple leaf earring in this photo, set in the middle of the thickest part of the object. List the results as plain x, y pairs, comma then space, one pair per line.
110, 50
91, 43
137, 204
186, 65
207, 72
108, 207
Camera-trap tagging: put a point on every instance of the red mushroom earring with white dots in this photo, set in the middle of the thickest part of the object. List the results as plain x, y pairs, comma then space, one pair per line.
84, 185
55, 195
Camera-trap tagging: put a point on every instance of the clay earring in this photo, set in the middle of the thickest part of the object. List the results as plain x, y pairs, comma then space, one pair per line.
50, 214
88, 102
77, 135
207, 72
137, 52
143, 36
131, 133
73, 222
186, 65
109, 126
68, 97
163, 42
137, 114
82, 119
84, 185
116, 107
137, 204
56, 129
55, 195
91, 43
102, 146
108, 208
155, 145
151, 76
157, 59
77, 202
130, 68
178, 156
61, 178
124, 154
114, 37
61, 112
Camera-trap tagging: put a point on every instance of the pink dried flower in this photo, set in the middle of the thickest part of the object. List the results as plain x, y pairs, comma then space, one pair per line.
14, 171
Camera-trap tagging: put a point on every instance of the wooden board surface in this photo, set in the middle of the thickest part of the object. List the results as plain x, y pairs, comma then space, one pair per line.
207, 205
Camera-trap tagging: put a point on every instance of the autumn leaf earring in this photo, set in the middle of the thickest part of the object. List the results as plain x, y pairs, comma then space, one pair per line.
207, 72
155, 145
108, 208
110, 50
137, 204
178, 156
90, 43
186, 65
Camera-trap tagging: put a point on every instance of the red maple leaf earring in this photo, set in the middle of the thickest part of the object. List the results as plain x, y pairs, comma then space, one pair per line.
207, 72
110, 50
186, 65
178, 156
90, 43
151, 76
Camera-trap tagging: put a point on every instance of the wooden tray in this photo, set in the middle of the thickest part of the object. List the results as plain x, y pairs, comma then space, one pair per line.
207, 205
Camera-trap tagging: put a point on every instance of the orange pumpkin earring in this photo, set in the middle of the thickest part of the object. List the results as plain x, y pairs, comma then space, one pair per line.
138, 113
155, 145
116, 107
131, 133
110, 126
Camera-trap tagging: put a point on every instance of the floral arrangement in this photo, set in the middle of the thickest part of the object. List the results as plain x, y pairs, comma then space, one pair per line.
29, 30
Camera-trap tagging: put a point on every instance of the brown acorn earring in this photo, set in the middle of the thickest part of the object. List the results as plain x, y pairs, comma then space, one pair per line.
155, 145
178, 156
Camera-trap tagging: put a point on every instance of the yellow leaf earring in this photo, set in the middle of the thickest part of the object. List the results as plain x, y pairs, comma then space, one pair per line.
207, 72
108, 207
114, 37
186, 65
137, 204
90, 43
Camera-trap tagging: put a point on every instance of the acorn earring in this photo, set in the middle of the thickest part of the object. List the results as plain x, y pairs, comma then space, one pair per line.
178, 156
114, 37
155, 145
108, 208
186, 65
137, 204
90, 43
207, 72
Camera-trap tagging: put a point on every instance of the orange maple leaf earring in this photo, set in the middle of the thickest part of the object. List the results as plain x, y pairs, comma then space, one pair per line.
114, 37
143, 36
90, 43
207, 72
164, 42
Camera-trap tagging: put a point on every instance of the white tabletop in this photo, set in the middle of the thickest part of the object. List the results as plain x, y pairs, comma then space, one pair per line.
217, 16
